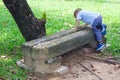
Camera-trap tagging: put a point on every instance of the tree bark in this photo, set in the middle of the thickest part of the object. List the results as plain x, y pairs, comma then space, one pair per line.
30, 27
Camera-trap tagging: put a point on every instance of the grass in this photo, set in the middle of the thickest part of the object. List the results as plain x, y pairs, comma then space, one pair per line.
59, 17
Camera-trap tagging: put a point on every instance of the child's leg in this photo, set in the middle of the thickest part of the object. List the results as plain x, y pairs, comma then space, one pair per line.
97, 34
97, 31
102, 28
98, 38
97, 26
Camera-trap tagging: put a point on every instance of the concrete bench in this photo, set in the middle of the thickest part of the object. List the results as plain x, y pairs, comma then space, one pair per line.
41, 55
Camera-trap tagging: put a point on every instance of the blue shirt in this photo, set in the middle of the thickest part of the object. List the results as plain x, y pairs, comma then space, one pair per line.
87, 16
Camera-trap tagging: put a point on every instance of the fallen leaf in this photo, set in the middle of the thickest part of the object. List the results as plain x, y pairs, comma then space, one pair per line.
93, 67
66, 23
98, 71
22, 60
3, 56
117, 67
1, 78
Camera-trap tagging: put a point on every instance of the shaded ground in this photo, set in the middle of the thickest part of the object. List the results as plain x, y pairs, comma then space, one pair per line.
83, 67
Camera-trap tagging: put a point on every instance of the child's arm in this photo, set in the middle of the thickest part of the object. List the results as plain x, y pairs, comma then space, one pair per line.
77, 27
77, 23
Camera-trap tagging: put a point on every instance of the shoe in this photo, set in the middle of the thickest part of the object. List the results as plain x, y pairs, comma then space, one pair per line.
103, 31
100, 46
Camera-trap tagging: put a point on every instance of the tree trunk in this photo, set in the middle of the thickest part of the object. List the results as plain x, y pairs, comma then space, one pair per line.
30, 27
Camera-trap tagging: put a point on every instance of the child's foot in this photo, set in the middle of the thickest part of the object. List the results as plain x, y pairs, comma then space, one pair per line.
100, 46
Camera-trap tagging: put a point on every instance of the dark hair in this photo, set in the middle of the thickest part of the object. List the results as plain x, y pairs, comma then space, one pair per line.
76, 11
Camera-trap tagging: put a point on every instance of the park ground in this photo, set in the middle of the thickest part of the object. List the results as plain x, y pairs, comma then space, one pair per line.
85, 64
59, 18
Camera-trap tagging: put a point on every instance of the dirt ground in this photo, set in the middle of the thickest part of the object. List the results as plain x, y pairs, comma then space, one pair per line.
85, 64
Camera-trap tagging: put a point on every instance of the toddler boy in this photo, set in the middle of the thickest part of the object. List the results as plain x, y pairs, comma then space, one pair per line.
95, 20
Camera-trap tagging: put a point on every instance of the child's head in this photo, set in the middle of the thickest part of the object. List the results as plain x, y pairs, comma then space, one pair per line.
76, 11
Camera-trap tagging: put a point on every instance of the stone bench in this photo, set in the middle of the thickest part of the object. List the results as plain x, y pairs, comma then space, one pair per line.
42, 55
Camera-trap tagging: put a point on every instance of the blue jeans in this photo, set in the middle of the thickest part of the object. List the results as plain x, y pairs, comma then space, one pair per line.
97, 26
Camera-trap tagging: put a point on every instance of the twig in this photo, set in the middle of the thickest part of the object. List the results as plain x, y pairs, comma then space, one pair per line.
115, 58
104, 60
89, 70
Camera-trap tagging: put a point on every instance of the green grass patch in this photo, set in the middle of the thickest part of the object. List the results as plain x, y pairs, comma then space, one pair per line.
59, 17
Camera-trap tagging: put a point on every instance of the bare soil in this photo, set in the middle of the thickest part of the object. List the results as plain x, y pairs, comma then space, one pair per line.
83, 67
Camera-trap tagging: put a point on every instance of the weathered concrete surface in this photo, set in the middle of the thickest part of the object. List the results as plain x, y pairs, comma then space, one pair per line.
27, 47
36, 52
62, 44
41, 66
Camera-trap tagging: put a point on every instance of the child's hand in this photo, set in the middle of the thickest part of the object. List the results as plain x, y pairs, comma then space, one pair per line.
74, 29
78, 27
